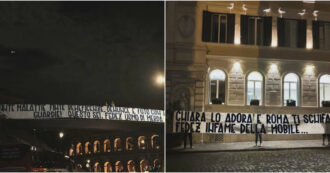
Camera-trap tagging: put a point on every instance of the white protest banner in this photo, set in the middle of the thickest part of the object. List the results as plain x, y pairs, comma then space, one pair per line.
53, 111
248, 123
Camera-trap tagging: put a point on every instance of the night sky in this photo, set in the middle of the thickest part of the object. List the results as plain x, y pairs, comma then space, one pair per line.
82, 52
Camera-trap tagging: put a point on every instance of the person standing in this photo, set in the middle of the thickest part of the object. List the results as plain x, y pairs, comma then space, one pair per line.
258, 134
186, 135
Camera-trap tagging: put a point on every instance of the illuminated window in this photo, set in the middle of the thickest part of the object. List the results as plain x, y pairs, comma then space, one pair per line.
118, 144
71, 150
144, 166
129, 144
131, 166
217, 86
97, 167
79, 149
107, 167
291, 90
97, 146
106, 145
142, 143
88, 146
218, 27
254, 88
324, 88
157, 165
155, 142
119, 167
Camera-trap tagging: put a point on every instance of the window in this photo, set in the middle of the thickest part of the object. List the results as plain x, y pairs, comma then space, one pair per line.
321, 35
117, 145
142, 143
97, 146
106, 145
107, 167
155, 142
217, 87
324, 88
291, 89
88, 148
131, 166
119, 167
256, 30
254, 88
157, 165
97, 167
129, 144
71, 150
79, 149
218, 27
144, 166
291, 33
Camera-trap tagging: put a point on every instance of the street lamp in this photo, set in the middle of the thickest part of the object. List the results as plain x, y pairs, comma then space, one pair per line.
160, 80
61, 134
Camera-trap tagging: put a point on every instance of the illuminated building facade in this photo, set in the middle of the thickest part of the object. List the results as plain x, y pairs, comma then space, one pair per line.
231, 56
122, 153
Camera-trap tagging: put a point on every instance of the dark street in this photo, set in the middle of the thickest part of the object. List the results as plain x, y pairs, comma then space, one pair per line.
301, 160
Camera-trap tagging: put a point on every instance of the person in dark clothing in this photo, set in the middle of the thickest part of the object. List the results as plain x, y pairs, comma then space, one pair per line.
326, 134
258, 136
187, 134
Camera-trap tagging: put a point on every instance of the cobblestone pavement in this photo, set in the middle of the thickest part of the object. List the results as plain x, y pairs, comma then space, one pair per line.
265, 161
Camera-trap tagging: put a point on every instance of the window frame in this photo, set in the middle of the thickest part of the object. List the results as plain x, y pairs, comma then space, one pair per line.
209, 84
254, 81
219, 27
300, 40
266, 27
207, 26
298, 89
316, 34
319, 88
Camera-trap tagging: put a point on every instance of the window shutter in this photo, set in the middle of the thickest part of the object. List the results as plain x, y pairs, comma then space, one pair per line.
244, 29
316, 34
230, 28
267, 31
301, 33
206, 35
280, 32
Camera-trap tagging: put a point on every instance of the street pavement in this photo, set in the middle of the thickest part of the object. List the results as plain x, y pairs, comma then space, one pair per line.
285, 160
244, 146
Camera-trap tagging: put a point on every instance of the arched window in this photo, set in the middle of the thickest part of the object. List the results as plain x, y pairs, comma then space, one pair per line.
119, 167
155, 142
254, 88
106, 145
157, 165
71, 150
79, 149
117, 145
129, 144
142, 143
217, 87
144, 166
324, 88
107, 167
131, 166
88, 146
97, 146
291, 90
97, 167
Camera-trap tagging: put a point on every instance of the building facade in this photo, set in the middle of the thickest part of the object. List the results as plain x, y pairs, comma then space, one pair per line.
226, 56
